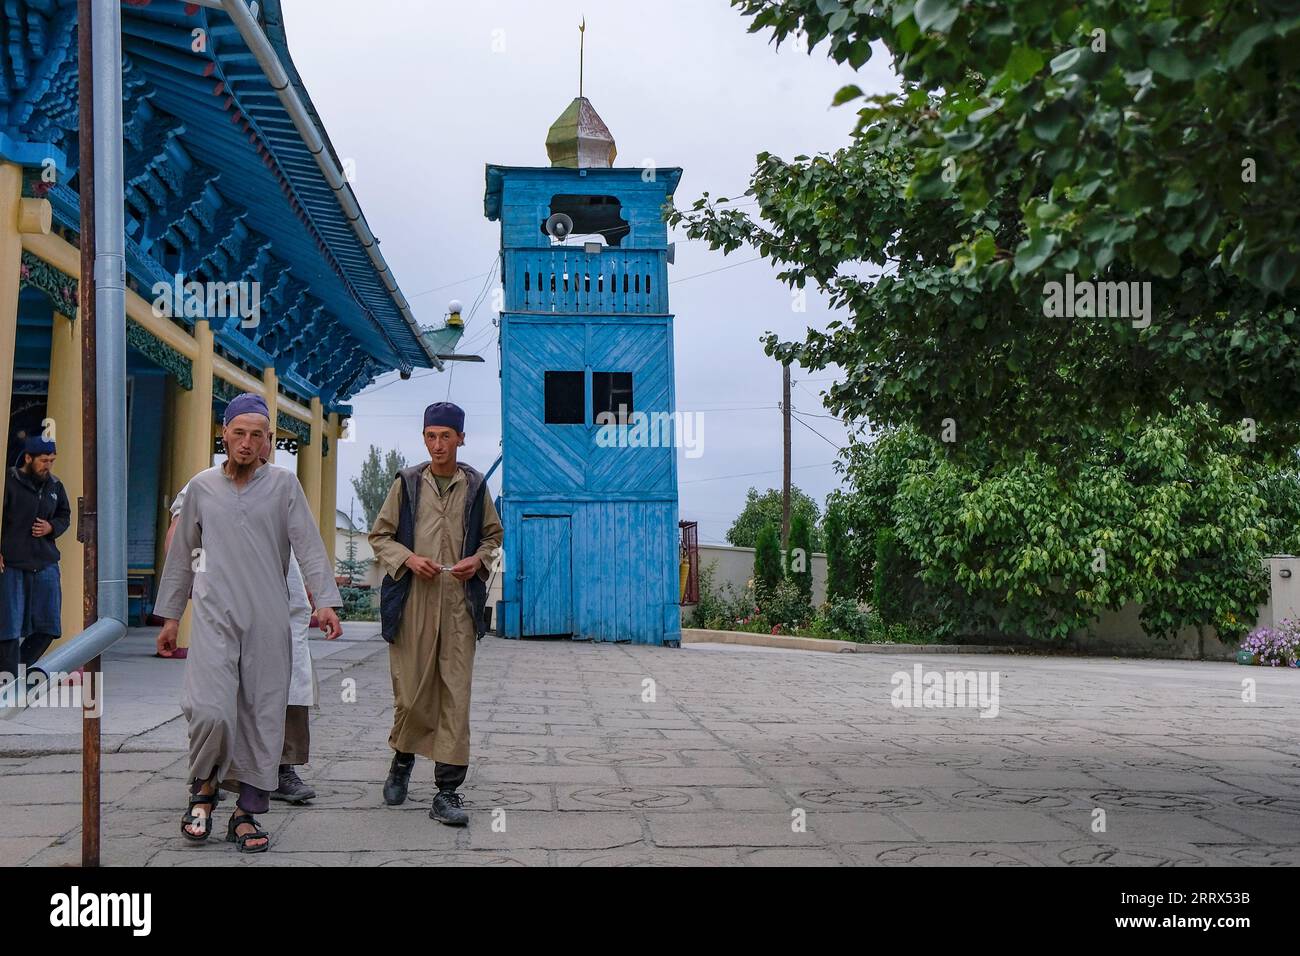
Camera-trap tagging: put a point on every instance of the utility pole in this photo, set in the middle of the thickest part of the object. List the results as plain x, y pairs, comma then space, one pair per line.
785, 487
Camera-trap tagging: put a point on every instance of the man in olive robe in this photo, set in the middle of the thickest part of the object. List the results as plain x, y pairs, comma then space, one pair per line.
437, 537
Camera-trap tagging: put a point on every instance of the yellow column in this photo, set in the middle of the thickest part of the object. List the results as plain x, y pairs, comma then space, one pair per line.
193, 429
271, 392
63, 408
329, 485
309, 460
11, 257
17, 216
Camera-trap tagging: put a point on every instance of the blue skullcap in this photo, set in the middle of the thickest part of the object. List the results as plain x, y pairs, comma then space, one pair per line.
445, 413
250, 403
36, 445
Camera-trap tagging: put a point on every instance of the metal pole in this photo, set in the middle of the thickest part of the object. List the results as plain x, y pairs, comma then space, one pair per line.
87, 506
103, 300
110, 309
785, 492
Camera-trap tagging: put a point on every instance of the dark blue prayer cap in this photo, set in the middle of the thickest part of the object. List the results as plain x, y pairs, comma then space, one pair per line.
446, 414
37, 445
249, 403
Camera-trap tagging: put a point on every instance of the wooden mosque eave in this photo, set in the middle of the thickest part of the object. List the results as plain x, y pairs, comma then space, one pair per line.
65, 257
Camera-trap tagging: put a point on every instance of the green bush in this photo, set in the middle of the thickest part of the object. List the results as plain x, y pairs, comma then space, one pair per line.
1173, 514
785, 606
767, 564
845, 618
357, 605
894, 579
841, 576
845, 621
767, 557
721, 608
799, 557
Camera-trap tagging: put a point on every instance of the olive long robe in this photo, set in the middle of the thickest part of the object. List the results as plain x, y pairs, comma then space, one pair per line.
432, 659
231, 551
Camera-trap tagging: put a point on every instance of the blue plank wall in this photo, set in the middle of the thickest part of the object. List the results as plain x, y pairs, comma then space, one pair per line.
590, 532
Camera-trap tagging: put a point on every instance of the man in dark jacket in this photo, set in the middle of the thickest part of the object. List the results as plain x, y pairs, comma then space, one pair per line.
36, 512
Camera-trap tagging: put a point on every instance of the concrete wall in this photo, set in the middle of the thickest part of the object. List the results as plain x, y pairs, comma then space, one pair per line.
1116, 633
1120, 632
735, 566
1284, 591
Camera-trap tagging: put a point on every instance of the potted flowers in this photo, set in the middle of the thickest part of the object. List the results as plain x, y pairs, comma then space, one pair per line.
1271, 646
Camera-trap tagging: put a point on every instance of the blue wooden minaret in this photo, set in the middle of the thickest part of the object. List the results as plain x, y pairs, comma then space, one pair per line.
589, 486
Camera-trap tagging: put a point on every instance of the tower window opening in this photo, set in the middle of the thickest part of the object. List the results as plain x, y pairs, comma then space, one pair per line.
563, 396
592, 216
611, 393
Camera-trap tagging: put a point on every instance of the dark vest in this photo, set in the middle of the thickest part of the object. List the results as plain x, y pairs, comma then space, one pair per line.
393, 594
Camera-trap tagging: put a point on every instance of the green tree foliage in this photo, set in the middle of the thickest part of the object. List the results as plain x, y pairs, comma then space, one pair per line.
841, 567
375, 480
1173, 514
356, 596
798, 558
761, 509
767, 559
1111, 140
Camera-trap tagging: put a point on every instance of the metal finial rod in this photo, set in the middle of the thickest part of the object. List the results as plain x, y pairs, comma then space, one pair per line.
582, 30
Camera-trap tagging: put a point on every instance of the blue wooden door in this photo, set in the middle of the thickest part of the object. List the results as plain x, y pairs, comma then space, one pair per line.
547, 573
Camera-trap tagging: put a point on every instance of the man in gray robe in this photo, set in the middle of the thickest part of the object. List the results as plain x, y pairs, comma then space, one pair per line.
302, 683
231, 549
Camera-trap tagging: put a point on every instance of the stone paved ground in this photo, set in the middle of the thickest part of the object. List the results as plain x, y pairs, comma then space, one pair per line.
581, 771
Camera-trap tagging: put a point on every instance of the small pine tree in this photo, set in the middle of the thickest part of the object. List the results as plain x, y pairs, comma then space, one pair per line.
841, 573
799, 557
767, 559
356, 600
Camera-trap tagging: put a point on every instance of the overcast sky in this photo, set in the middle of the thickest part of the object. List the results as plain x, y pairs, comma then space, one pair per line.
421, 94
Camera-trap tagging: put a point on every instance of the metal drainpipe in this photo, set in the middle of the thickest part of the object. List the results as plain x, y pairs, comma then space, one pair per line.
275, 74
110, 355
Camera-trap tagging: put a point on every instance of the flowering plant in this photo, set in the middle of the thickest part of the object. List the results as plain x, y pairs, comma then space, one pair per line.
1274, 646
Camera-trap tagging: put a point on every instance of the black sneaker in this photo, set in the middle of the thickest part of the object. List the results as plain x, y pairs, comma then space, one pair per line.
292, 789
448, 808
399, 777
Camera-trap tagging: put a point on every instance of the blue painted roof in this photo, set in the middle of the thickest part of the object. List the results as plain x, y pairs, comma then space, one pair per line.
220, 184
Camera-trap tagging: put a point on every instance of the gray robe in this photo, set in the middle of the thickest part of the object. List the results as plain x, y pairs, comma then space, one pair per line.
231, 548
